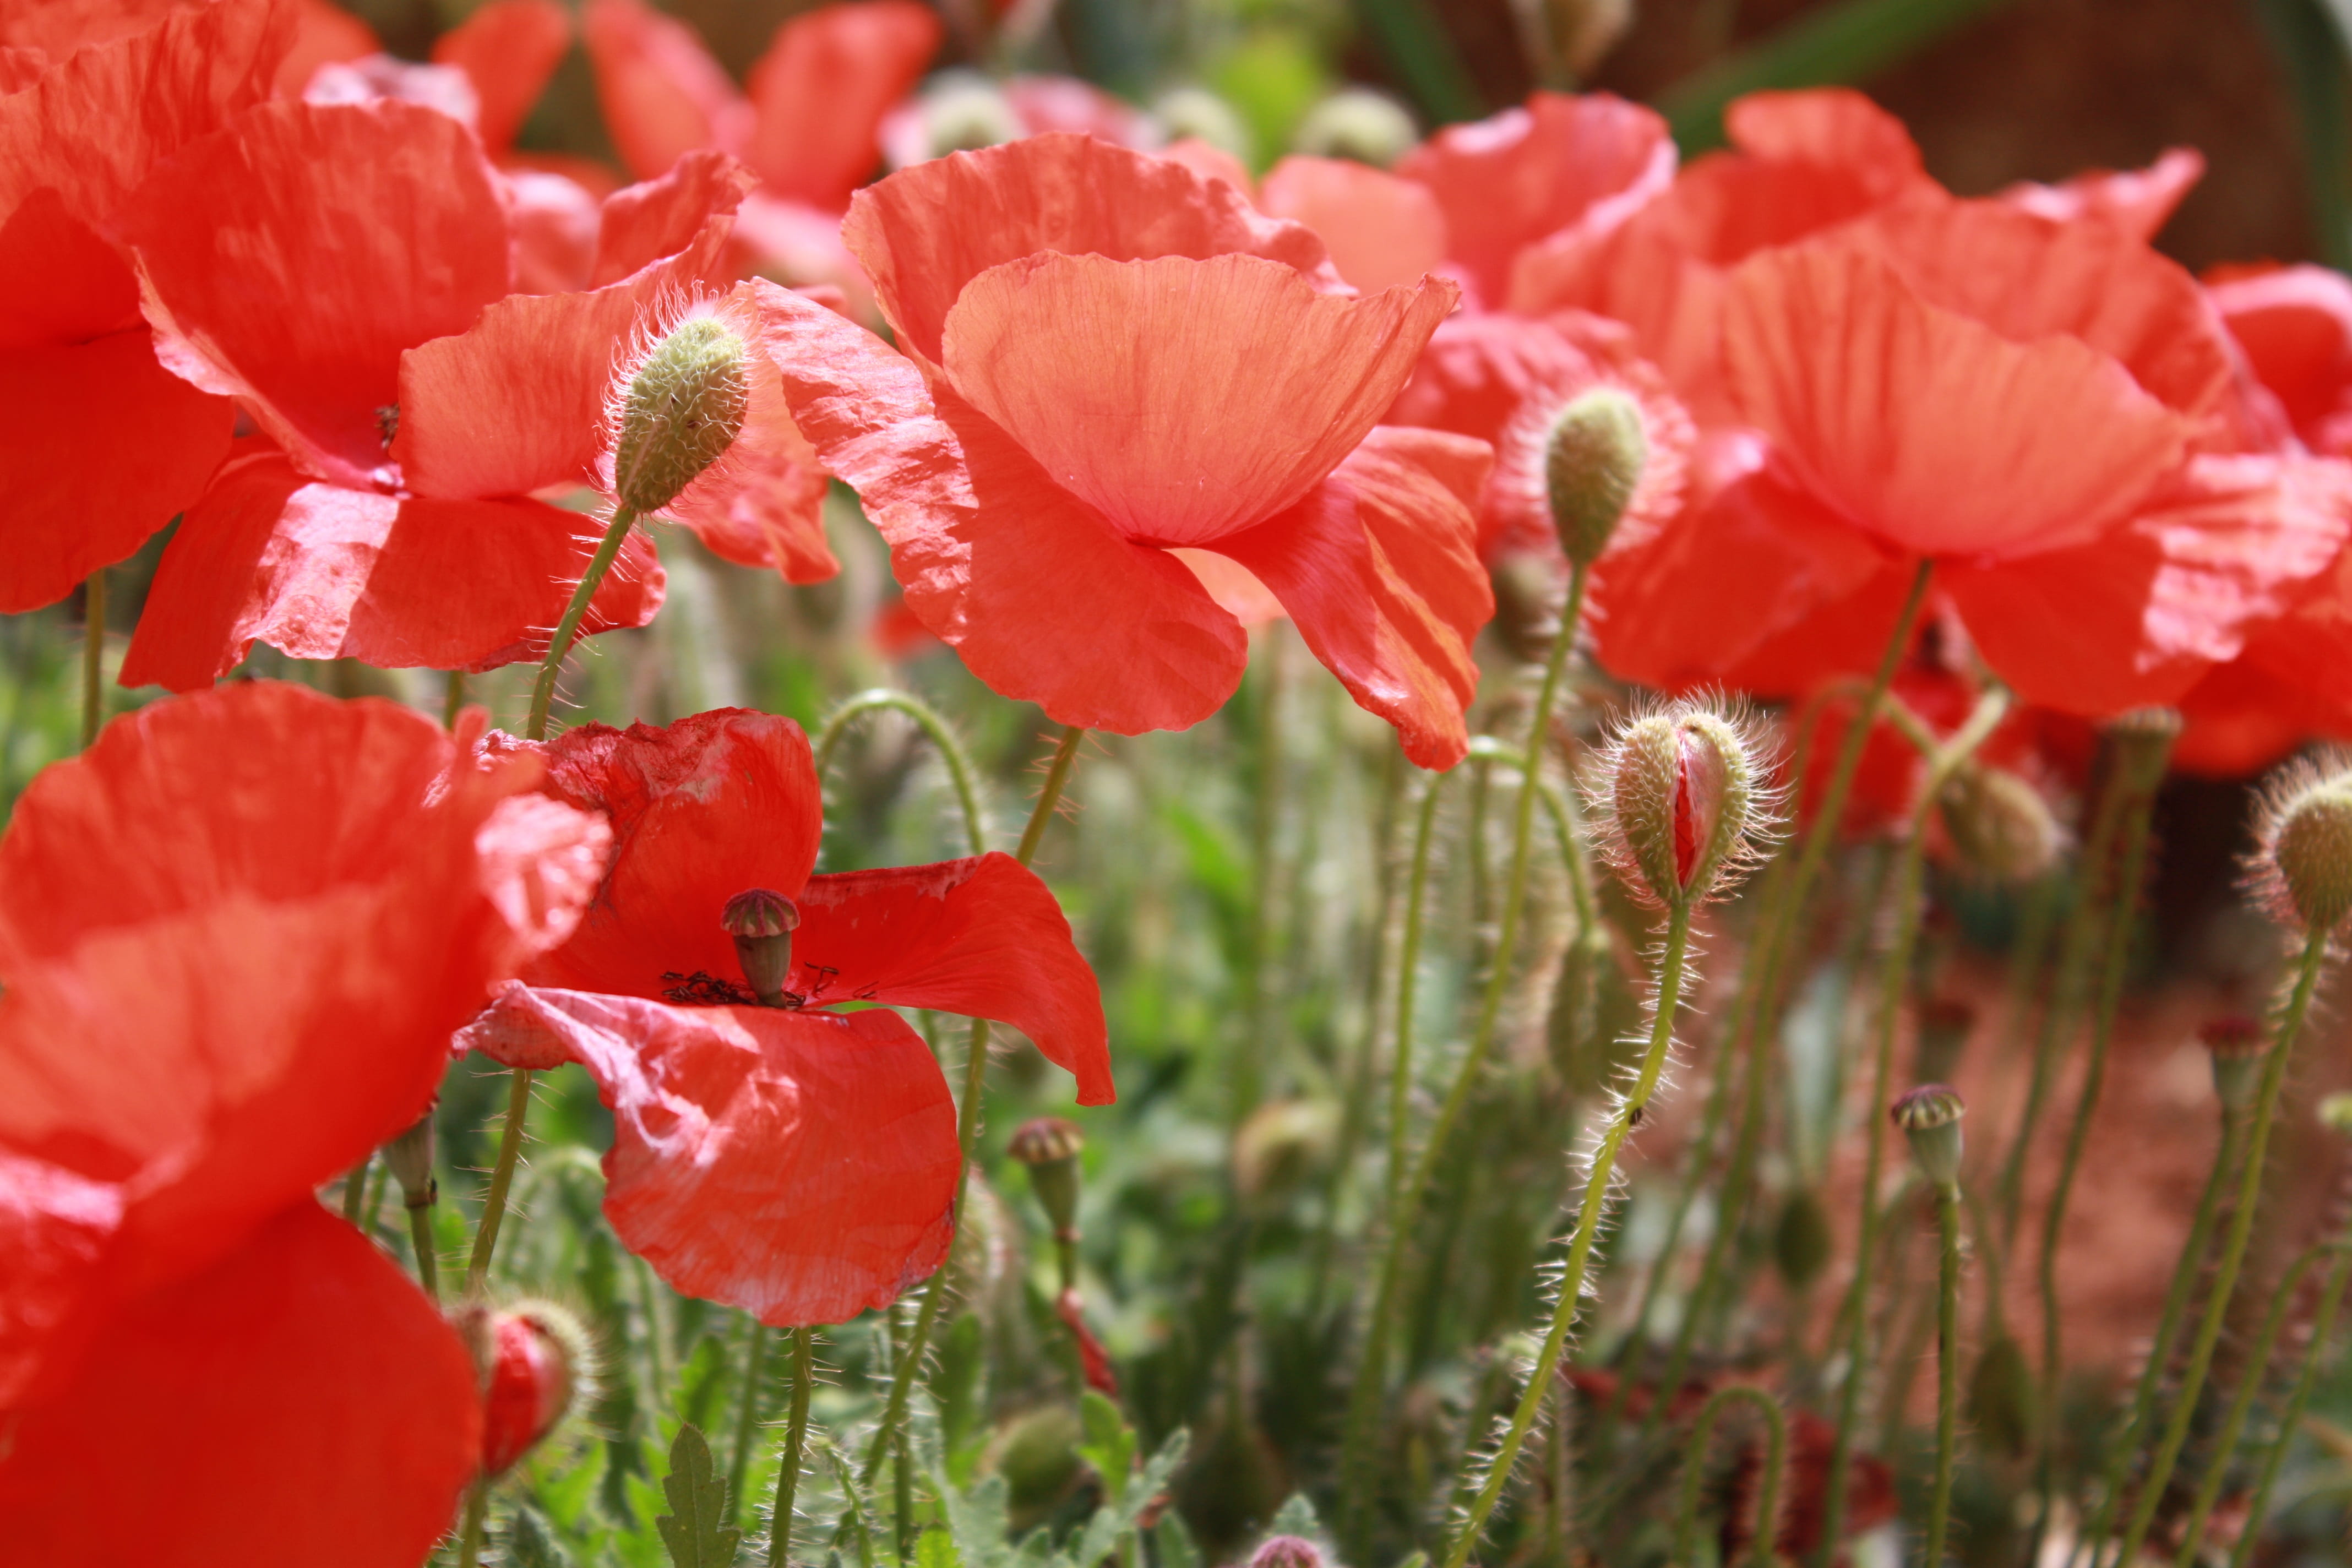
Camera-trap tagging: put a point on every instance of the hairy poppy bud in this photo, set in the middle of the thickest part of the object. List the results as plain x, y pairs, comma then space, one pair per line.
1945, 1024
1998, 824
1037, 1455
1593, 459
1049, 1146
1280, 1145
763, 923
1357, 122
2000, 1397
2305, 854
533, 1359
682, 410
1684, 804
1930, 1117
1287, 1551
2237, 1044
1801, 1239
409, 1157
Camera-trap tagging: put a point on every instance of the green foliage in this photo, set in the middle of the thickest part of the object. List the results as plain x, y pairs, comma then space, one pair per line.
696, 1530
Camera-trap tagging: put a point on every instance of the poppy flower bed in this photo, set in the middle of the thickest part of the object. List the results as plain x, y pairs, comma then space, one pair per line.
878, 810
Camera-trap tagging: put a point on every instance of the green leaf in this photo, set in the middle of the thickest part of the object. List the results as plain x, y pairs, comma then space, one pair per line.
532, 1543
936, 1549
1109, 1446
1115, 1522
1296, 1517
696, 1530
698, 1382
1177, 1548
1422, 55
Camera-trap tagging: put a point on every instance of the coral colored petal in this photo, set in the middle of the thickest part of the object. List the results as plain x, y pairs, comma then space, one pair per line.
508, 49
1213, 163
59, 282
2067, 630
822, 89
981, 936
2241, 719
2244, 538
1233, 386
1381, 230
358, 229
338, 1418
324, 35
1928, 429
1579, 163
663, 94
2295, 324
1828, 127
518, 401
927, 232
643, 223
1044, 601
2137, 201
798, 1165
1047, 103
1379, 568
321, 572
1233, 587
702, 810
555, 221
55, 1227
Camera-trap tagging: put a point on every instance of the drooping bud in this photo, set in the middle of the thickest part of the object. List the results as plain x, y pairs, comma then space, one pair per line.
409, 1158
763, 923
682, 410
1357, 122
1050, 1146
1930, 1117
1593, 459
1801, 1239
533, 1359
2306, 847
1280, 1145
2237, 1044
2000, 1397
1287, 1551
1945, 1024
1998, 824
1683, 805
1037, 1455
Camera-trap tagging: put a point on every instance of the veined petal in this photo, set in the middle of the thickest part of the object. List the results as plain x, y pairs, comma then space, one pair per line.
663, 94
641, 224
2295, 324
508, 49
821, 91
54, 1230
2137, 201
1382, 231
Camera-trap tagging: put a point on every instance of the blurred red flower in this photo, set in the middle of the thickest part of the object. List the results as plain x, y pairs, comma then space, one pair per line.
235, 934
795, 1161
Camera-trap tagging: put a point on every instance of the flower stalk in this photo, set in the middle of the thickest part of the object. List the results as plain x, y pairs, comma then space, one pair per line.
1768, 1492
93, 655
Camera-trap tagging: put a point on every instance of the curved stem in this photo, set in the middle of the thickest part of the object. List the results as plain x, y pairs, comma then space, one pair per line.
801, 1342
608, 549
355, 1189
909, 1361
936, 729
93, 655
747, 1420
429, 1261
494, 1201
2233, 1247
1245, 1073
1768, 1495
1667, 1005
1948, 1370
2291, 1418
453, 698
470, 1533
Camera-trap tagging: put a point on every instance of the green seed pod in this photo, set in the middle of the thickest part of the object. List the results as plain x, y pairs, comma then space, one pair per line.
763, 923
2308, 847
1049, 1146
1998, 824
1037, 1455
1359, 123
682, 410
2237, 1045
1685, 804
1593, 459
1930, 1117
409, 1157
1801, 1239
1999, 1400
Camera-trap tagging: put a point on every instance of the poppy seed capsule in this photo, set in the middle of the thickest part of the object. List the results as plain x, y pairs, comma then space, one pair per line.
2237, 1044
763, 923
409, 1157
1049, 1146
1998, 824
539, 1354
1930, 1117
1593, 461
2312, 848
683, 409
1681, 800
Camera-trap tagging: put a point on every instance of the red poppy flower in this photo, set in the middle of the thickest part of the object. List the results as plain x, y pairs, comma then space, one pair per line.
798, 1163
2138, 201
1558, 176
324, 33
1381, 230
1059, 286
102, 444
235, 935
412, 407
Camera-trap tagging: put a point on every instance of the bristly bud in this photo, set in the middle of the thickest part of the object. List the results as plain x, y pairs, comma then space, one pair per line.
533, 1359
1593, 461
1357, 122
1683, 802
2000, 1397
409, 1157
1049, 1146
1930, 1117
1801, 1239
683, 408
2143, 741
763, 923
2238, 1045
1998, 824
1287, 1551
2302, 856
1945, 1024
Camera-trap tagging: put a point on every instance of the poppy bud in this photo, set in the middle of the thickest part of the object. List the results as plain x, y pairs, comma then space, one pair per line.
2336, 1114
533, 1359
2306, 847
1998, 824
1683, 804
1943, 1027
2000, 1397
1049, 1146
1930, 1117
1287, 1551
409, 1157
1280, 1145
1357, 122
2143, 740
763, 923
1037, 1455
2238, 1046
1593, 459
1800, 1240
681, 411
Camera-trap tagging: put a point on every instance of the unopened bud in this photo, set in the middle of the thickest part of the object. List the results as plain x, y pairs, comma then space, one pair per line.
2000, 1397
1801, 1239
409, 1157
2237, 1044
682, 410
1049, 1146
763, 923
1682, 801
533, 1359
1998, 824
2308, 848
1945, 1024
2142, 740
1287, 1551
1280, 1145
1593, 459
1359, 123
2336, 1114
1930, 1117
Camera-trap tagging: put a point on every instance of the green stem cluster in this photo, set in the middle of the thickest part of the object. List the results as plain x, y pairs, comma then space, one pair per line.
1767, 1491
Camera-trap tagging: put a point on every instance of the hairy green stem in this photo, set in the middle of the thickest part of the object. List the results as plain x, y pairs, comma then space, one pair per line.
453, 698
1768, 1494
1246, 1072
936, 729
494, 1201
2233, 1247
93, 655
470, 1533
355, 1189
747, 1419
802, 1344
1947, 1369
608, 549
429, 1261
2291, 1416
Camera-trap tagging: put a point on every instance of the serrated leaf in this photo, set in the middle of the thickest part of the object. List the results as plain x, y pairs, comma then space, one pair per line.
1109, 1446
696, 1530
1177, 1548
1114, 1522
936, 1549
531, 1544
1296, 1517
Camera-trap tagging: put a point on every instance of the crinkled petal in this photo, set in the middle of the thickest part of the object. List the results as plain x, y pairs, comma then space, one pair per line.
2138, 201
55, 1228
319, 572
663, 94
508, 49
822, 89
981, 936
643, 223
1829, 128
1929, 429
1382, 231
324, 35
2295, 324
1182, 399
357, 230
334, 1414
555, 219
927, 232
798, 1165
1378, 569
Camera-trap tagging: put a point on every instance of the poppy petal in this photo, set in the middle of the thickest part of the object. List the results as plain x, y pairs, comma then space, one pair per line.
642, 223
1929, 429
54, 1230
1382, 231
1378, 569
508, 49
2137, 201
1234, 386
2295, 324
319, 572
983, 936
822, 89
926, 232
798, 1165
359, 230
339, 1415
662, 93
